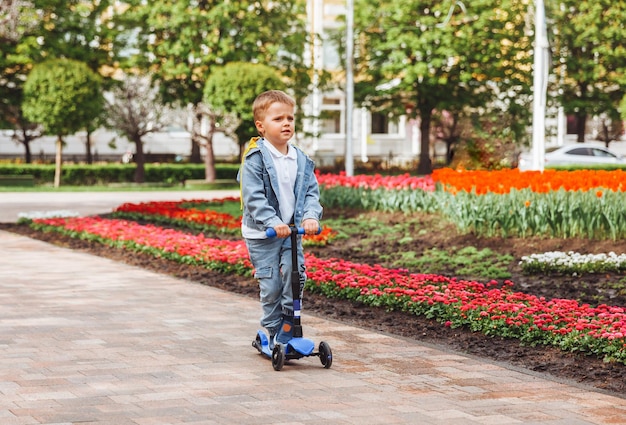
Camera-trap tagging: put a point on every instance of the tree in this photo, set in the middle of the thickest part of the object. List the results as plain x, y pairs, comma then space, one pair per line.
205, 123
181, 42
590, 57
232, 89
419, 56
15, 64
133, 110
32, 31
64, 96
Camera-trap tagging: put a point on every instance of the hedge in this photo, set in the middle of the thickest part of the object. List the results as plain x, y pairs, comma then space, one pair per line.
102, 174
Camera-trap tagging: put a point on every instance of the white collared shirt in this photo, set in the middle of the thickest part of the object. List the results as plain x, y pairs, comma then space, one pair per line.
287, 169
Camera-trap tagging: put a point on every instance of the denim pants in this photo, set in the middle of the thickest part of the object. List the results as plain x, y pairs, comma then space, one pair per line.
271, 259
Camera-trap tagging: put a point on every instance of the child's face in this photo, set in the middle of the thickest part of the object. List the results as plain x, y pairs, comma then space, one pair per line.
277, 126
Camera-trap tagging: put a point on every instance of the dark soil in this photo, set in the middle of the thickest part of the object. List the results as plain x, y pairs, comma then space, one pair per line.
592, 289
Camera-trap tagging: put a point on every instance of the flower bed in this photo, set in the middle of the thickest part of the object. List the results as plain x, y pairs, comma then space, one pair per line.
561, 204
505, 180
489, 308
506, 203
188, 213
197, 215
482, 182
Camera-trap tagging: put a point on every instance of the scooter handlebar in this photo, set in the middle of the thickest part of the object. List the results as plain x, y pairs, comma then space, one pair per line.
271, 233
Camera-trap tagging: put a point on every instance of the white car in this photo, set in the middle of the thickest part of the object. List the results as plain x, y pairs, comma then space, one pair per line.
579, 154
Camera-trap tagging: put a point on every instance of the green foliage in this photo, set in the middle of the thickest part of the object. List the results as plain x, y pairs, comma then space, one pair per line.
468, 262
72, 29
181, 42
622, 108
589, 56
562, 214
232, 89
492, 142
441, 58
232, 208
86, 175
63, 95
47, 29
520, 213
381, 199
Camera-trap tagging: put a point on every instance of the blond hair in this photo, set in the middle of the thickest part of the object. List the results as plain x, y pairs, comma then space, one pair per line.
263, 101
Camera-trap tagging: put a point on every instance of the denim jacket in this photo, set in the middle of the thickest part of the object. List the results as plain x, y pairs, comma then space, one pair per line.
260, 189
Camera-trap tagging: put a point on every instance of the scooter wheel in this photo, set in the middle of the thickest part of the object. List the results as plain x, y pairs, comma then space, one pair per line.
326, 355
278, 357
257, 342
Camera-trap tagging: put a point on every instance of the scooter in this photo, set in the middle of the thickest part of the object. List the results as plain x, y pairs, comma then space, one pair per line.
297, 347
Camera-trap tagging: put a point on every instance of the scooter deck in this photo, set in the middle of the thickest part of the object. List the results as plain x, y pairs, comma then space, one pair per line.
295, 348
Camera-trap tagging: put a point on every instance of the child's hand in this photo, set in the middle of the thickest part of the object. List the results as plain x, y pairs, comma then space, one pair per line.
282, 231
311, 226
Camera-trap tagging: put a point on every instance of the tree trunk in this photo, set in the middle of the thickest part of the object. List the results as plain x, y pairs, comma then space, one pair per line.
28, 155
25, 140
581, 121
88, 146
196, 156
425, 166
452, 138
58, 161
196, 136
140, 160
605, 134
209, 158
450, 144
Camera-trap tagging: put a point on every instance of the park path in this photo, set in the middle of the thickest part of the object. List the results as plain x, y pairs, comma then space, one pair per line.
12, 204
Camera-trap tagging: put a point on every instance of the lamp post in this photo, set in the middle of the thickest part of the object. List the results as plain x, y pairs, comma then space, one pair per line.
349, 159
540, 80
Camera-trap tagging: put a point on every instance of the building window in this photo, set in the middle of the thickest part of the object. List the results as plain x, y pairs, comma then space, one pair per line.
331, 58
331, 122
383, 124
332, 109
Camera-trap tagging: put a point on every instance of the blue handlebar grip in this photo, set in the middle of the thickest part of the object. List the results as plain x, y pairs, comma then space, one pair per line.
271, 233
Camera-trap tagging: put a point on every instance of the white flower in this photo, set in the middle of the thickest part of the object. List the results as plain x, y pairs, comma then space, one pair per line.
573, 261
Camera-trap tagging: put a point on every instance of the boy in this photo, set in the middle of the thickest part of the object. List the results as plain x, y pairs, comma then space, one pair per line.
278, 189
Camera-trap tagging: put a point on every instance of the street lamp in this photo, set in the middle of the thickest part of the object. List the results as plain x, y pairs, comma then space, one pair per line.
349, 160
540, 81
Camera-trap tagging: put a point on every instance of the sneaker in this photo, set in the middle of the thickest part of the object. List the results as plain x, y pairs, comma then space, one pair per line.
285, 333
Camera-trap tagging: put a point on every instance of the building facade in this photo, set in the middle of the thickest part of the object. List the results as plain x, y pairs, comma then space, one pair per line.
374, 135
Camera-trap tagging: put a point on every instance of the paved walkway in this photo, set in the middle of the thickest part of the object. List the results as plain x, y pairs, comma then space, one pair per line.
86, 340
89, 203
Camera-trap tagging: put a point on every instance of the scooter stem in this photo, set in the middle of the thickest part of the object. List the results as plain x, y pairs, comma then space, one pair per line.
295, 284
